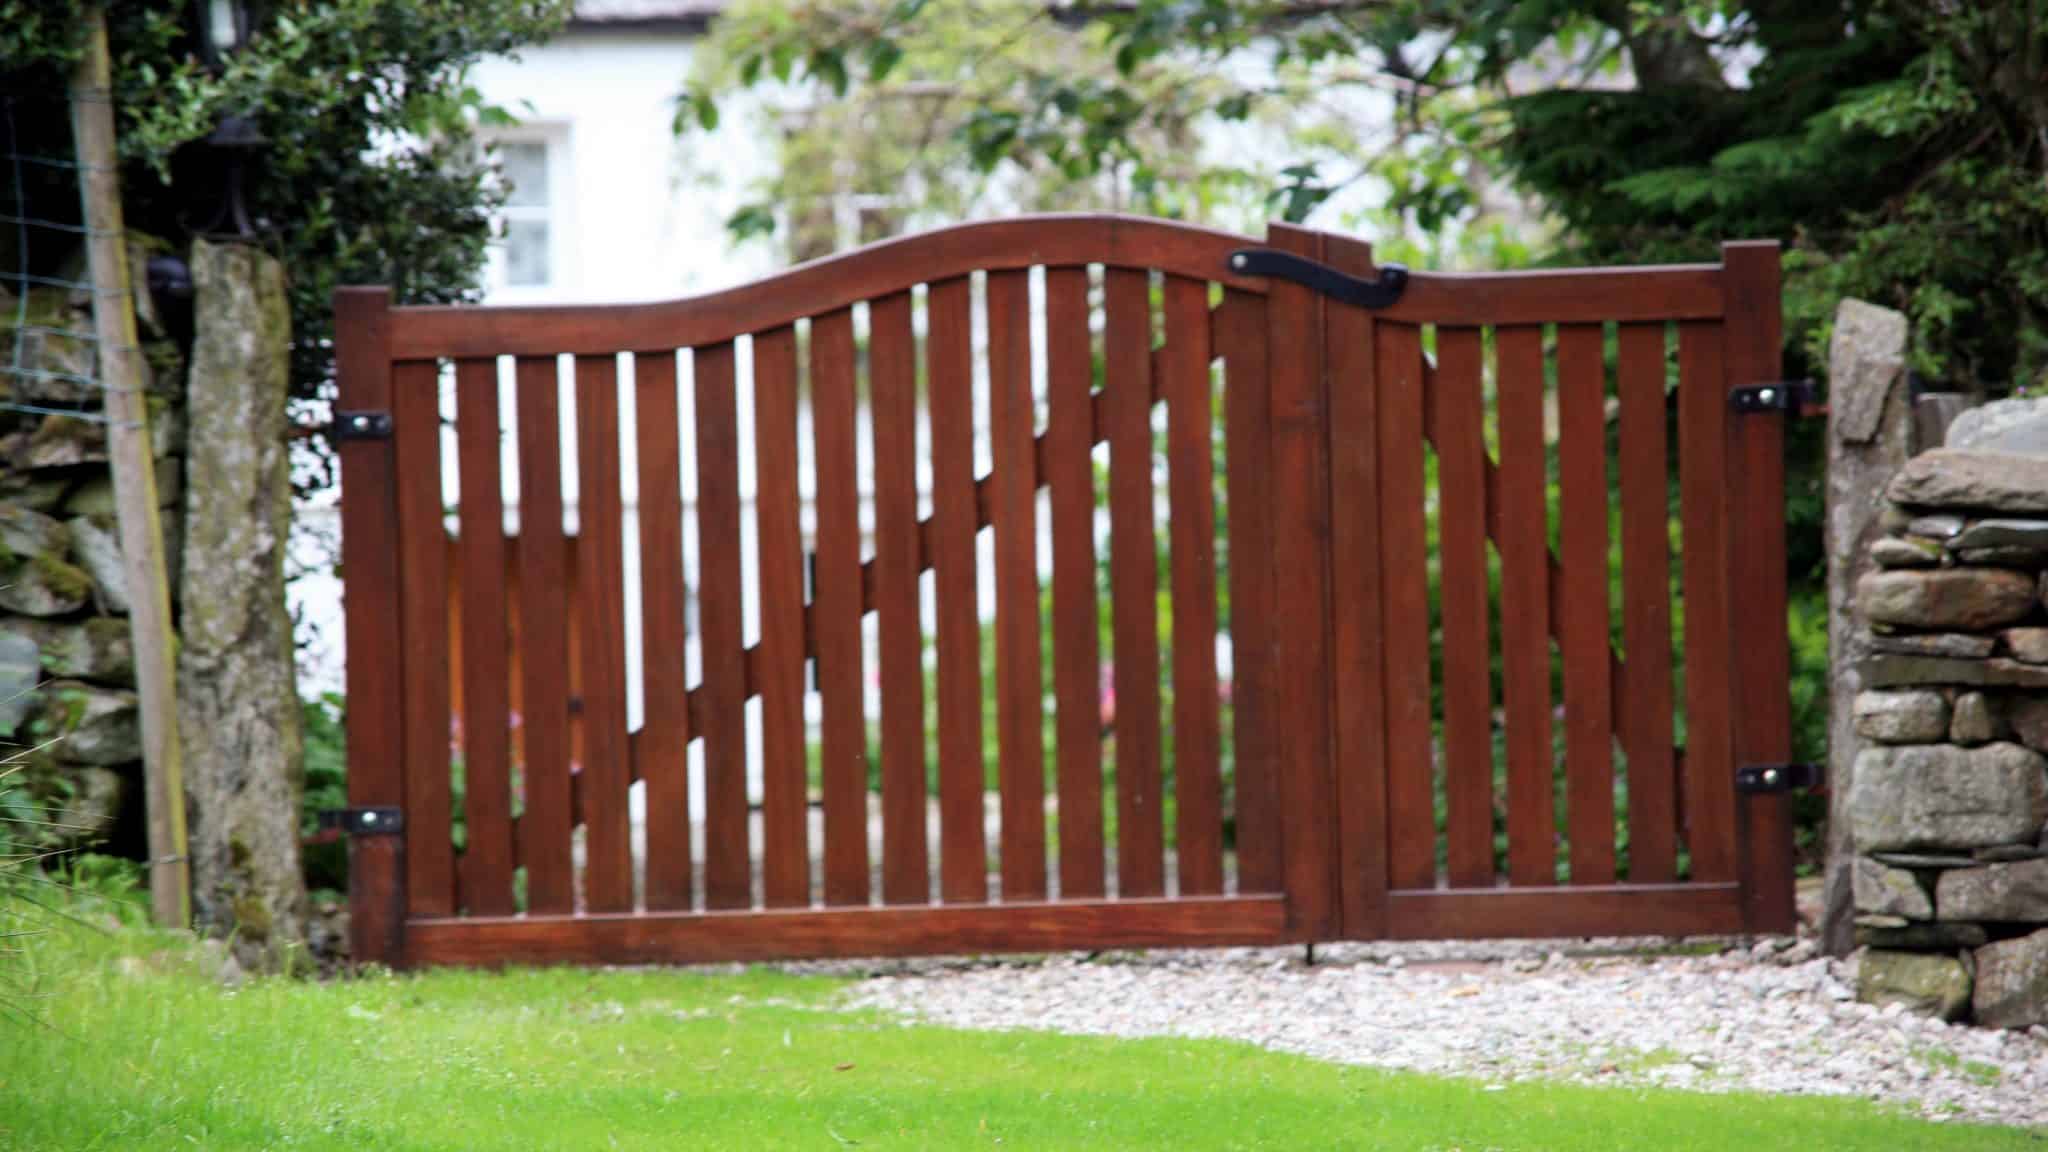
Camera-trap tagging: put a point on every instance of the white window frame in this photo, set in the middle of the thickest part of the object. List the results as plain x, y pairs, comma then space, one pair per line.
554, 139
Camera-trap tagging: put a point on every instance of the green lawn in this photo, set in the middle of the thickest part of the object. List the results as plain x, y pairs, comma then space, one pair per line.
145, 1055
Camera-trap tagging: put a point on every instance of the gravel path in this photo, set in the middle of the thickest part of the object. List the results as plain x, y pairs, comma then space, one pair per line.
1770, 1019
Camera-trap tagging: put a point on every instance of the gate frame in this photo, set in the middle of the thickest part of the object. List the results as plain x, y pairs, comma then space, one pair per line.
1328, 706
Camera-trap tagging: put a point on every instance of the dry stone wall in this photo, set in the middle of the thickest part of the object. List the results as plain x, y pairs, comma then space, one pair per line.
1948, 801
68, 709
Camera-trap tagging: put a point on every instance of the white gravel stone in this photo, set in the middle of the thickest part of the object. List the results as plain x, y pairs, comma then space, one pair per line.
1774, 1018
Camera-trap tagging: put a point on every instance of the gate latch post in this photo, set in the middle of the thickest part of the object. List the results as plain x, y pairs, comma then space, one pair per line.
1794, 397
368, 821
1764, 779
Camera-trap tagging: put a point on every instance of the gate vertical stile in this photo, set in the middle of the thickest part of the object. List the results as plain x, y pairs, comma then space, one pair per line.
1301, 592
370, 555
1761, 662
1356, 683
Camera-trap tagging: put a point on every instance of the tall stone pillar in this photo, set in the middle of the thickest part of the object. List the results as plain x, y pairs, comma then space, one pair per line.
238, 696
1869, 425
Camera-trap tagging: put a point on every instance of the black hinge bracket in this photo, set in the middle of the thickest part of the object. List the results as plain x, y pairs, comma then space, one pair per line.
1321, 278
1767, 778
360, 424
1797, 397
363, 821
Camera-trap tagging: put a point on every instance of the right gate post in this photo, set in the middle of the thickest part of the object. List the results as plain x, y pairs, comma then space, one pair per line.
1761, 657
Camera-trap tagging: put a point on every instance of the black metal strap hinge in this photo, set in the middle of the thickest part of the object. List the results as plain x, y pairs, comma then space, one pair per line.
1797, 397
1321, 278
360, 424
363, 821
1768, 778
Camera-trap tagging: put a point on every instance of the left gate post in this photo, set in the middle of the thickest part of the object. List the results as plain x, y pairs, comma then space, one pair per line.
370, 575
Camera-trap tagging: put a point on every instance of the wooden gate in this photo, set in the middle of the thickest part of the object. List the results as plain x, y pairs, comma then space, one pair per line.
1176, 544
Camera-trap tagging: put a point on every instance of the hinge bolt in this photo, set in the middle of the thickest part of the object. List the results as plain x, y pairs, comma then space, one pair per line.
1237, 261
1771, 777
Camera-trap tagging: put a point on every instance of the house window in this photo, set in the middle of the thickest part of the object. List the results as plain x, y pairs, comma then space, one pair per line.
526, 218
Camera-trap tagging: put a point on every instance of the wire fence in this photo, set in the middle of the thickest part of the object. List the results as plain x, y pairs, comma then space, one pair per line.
52, 356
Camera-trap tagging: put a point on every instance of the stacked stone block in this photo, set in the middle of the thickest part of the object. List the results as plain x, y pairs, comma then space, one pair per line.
68, 711
1949, 801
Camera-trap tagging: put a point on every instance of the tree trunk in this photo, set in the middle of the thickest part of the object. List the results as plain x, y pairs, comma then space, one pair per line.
238, 689
1869, 424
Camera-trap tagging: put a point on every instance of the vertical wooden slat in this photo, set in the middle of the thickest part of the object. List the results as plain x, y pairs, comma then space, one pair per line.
1356, 684
1461, 531
1754, 355
371, 603
545, 828
1301, 590
1241, 338
1019, 703
785, 851
1524, 546
486, 707
608, 866
1404, 625
665, 728
423, 541
1646, 605
1582, 544
843, 757
892, 356
1069, 437
728, 871
1703, 502
949, 352
1192, 552
1140, 863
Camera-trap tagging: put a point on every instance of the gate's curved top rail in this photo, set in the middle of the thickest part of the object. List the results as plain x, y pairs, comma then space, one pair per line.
821, 286
1537, 296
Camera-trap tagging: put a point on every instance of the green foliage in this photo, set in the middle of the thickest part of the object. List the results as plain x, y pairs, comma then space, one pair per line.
321, 720
372, 172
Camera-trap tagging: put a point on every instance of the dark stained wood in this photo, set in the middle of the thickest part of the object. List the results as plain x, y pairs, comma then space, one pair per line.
1703, 501
1301, 590
423, 604
1646, 605
1461, 532
1191, 543
1628, 910
542, 564
1240, 336
892, 359
1754, 354
1404, 625
371, 607
486, 704
772, 935
608, 859
843, 756
1127, 342
949, 366
1076, 658
1582, 514
1019, 667
1560, 295
822, 286
664, 744
1523, 539
1358, 690
779, 669
728, 871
